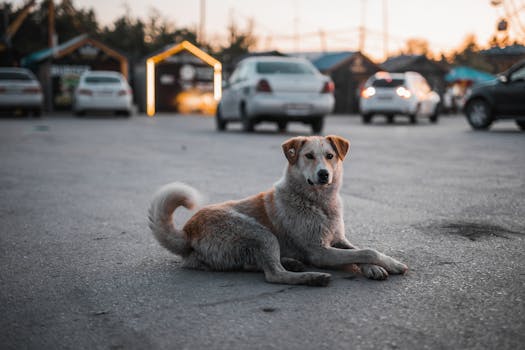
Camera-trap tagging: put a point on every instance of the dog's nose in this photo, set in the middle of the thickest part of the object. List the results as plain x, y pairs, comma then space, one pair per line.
323, 176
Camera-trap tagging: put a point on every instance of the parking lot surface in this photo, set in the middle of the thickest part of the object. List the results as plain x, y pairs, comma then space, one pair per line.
79, 268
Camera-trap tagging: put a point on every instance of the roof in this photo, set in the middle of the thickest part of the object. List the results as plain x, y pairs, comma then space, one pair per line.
43, 54
68, 47
404, 63
329, 60
464, 73
515, 49
400, 62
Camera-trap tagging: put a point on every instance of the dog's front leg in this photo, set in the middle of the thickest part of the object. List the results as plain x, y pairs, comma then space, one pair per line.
371, 271
332, 257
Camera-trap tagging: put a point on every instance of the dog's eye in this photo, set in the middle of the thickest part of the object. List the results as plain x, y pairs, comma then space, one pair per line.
309, 155
329, 156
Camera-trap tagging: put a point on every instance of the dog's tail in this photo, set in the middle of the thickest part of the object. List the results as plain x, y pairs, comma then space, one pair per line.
164, 203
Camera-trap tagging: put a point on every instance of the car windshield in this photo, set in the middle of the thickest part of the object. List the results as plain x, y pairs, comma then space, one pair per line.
388, 83
283, 68
14, 76
102, 80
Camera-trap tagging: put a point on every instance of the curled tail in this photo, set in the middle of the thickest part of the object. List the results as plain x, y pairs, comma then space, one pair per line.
164, 203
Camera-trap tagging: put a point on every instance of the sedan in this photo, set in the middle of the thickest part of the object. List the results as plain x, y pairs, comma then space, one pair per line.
20, 90
502, 98
275, 89
103, 91
391, 94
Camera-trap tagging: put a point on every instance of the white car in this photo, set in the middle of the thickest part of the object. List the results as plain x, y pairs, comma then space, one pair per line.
20, 90
390, 94
276, 89
103, 91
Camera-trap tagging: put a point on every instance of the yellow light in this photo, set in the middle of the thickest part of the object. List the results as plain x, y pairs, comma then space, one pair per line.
150, 87
217, 83
185, 45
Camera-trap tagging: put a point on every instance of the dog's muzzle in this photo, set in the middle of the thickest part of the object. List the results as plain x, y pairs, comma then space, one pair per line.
323, 176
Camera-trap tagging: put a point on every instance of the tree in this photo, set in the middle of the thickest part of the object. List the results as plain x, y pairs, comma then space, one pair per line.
468, 54
417, 46
239, 42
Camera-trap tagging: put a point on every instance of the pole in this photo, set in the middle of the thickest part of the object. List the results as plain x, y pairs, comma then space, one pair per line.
202, 22
385, 28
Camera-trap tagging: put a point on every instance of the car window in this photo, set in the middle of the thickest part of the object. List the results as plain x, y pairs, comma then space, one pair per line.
15, 76
388, 83
236, 75
518, 75
283, 68
102, 80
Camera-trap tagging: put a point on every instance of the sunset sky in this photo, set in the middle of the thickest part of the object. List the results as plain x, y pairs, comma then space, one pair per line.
443, 23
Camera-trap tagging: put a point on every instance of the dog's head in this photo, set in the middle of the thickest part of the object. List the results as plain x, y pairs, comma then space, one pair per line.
316, 159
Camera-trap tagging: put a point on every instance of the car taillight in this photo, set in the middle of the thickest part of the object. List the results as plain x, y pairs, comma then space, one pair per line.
263, 86
328, 88
32, 90
368, 92
403, 92
85, 92
124, 92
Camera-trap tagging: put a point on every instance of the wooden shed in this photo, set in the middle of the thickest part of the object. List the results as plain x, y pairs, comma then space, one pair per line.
59, 68
349, 70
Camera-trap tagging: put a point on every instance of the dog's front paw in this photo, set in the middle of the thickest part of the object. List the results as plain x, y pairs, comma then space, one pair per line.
373, 272
395, 267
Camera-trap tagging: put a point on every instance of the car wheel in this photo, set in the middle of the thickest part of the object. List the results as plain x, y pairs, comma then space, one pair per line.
219, 121
479, 115
80, 113
521, 124
413, 119
434, 117
366, 118
317, 125
247, 123
390, 119
37, 113
281, 126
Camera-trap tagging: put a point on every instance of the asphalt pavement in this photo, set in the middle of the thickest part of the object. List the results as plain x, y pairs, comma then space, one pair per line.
79, 268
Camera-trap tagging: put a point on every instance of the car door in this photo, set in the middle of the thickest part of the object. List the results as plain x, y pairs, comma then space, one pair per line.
238, 90
509, 96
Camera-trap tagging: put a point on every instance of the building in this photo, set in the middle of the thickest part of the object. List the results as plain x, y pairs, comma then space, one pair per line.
349, 71
502, 58
433, 71
59, 68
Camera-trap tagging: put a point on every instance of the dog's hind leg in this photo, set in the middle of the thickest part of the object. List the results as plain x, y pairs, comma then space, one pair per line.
292, 265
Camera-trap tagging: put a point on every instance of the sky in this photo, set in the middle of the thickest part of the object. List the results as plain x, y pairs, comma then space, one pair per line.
295, 25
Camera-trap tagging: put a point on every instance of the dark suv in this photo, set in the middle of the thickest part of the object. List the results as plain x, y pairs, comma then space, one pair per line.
503, 98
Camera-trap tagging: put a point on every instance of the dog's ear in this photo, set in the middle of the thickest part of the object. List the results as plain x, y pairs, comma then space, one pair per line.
291, 148
339, 144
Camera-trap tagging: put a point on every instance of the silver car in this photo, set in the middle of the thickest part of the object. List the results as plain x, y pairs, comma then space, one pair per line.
103, 91
20, 90
275, 89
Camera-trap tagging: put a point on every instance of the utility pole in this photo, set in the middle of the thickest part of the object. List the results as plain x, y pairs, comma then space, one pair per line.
202, 23
385, 28
322, 36
362, 28
296, 37
51, 35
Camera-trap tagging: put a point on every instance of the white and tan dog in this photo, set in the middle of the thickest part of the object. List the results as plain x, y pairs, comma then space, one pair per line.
300, 220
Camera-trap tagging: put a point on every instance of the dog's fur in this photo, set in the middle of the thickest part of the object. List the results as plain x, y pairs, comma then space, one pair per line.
300, 220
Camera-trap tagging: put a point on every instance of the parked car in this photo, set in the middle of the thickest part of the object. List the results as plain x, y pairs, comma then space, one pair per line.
502, 98
20, 90
275, 89
103, 91
392, 94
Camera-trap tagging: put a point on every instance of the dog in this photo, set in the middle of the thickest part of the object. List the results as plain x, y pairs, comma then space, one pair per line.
296, 223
